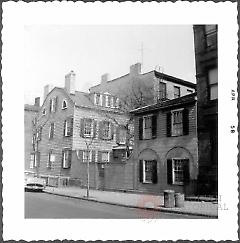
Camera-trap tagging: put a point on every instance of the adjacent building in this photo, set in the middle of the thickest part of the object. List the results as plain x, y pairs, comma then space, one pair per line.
206, 55
165, 146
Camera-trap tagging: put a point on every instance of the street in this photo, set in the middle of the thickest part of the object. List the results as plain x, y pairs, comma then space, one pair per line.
43, 205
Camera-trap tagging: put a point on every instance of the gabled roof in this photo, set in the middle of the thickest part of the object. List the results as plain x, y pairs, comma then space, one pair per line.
81, 99
187, 99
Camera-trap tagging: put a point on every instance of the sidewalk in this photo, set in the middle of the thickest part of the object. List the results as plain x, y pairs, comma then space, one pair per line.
144, 201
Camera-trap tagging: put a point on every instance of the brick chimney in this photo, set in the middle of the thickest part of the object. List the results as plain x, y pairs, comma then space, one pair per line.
70, 82
37, 101
105, 77
135, 69
47, 89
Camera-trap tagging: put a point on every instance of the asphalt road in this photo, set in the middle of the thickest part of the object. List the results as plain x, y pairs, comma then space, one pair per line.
43, 205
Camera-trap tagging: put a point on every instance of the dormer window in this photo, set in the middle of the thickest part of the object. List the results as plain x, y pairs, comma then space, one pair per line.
108, 101
117, 103
97, 99
112, 102
64, 105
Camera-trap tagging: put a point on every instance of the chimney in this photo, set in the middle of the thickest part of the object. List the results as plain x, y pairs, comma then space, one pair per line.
135, 69
47, 89
70, 82
37, 101
105, 77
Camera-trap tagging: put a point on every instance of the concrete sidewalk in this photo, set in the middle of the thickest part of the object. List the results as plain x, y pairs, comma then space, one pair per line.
144, 201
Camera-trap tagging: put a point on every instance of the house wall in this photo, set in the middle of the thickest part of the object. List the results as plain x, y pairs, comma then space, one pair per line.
59, 141
163, 148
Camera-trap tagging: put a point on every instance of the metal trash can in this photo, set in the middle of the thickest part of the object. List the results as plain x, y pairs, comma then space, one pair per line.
169, 201
179, 200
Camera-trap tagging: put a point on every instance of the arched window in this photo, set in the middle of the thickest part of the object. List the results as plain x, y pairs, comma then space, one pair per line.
64, 104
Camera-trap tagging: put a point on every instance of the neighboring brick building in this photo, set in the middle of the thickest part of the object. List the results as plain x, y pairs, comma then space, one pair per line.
206, 55
72, 127
137, 89
30, 112
165, 146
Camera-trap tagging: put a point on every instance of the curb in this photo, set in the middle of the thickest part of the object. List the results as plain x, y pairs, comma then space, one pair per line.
160, 209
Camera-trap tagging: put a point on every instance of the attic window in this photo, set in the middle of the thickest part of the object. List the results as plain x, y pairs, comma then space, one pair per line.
44, 111
64, 104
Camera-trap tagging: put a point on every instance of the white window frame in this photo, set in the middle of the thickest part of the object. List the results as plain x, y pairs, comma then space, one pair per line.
144, 172
175, 87
67, 123
172, 121
109, 130
143, 131
112, 102
158, 91
32, 161
95, 99
107, 101
122, 139
85, 156
91, 132
50, 129
64, 158
173, 172
108, 156
117, 103
212, 84
64, 101
51, 159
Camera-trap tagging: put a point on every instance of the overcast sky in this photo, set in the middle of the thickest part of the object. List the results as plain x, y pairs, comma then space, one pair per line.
90, 51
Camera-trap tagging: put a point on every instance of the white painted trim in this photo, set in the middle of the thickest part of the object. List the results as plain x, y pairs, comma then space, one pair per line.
64, 108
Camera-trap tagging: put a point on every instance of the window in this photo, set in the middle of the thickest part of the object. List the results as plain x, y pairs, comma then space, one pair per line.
117, 103
88, 127
147, 127
189, 91
108, 101
34, 160
66, 158
44, 111
53, 104
39, 133
105, 156
177, 123
112, 102
122, 136
211, 35
178, 171
51, 131
68, 127
106, 130
64, 105
176, 92
162, 91
97, 99
51, 160
87, 156
148, 171
213, 83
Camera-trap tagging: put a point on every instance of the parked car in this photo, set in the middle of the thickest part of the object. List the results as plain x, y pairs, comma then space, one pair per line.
33, 183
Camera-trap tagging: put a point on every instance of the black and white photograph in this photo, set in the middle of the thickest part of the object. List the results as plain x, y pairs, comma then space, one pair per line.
121, 121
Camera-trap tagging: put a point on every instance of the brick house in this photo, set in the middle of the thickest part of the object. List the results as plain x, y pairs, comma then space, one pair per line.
73, 127
30, 112
165, 146
206, 55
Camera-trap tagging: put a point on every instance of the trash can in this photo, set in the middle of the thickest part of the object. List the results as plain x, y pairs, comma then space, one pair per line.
179, 200
169, 199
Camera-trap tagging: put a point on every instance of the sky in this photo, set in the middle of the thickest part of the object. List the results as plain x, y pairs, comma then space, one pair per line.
52, 51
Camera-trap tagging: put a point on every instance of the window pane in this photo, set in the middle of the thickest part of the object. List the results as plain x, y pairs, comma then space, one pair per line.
213, 76
213, 92
105, 157
148, 170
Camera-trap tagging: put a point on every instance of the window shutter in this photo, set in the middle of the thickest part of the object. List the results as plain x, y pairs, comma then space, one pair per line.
82, 127
111, 156
117, 134
38, 159
64, 127
154, 172
93, 155
69, 158
103, 100
62, 158
169, 124
140, 128
141, 170
56, 103
186, 173
99, 156
71, 126
100, 130
185, 122
169, 172
50, 105
40, 133
154, 126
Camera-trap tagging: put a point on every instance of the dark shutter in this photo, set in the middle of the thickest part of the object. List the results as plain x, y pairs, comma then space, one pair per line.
71, 126
185, 122
93, 155
100, 132
169, 172
111, 156
64, 127
94, 128
38, 158
103, 100
140, 128
169, 124
82, 127
99, 156
69, 158
141, 170
56, 103
154, 172
186, 173
154, 126
117, 134
62, 157
112, 131
50, 105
